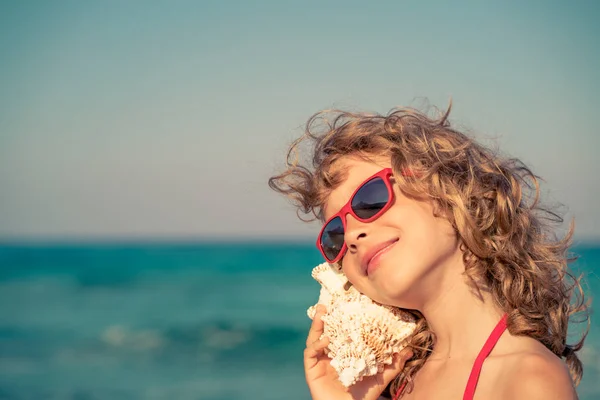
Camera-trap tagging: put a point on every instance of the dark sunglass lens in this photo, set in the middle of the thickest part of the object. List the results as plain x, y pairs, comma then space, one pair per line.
370, 198
332, 239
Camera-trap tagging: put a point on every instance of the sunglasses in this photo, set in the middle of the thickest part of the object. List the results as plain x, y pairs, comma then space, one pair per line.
368, 202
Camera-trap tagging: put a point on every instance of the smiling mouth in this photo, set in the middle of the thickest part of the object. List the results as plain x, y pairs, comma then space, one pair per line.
374, 261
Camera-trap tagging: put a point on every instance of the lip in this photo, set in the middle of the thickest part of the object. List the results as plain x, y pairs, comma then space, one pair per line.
374, 251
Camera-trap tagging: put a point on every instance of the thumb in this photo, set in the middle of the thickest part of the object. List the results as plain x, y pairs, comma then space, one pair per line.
398, 361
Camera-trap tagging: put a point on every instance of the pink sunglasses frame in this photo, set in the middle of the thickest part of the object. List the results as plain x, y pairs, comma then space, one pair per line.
385, 175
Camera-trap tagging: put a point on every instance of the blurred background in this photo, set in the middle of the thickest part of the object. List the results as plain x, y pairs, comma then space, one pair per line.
142, 255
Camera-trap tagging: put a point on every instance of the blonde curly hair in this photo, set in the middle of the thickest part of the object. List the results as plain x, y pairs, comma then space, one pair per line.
507, 236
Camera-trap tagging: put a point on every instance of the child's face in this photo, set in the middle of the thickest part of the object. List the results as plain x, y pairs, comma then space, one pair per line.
421, 248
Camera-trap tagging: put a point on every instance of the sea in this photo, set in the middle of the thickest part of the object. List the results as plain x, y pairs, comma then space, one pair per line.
174, 321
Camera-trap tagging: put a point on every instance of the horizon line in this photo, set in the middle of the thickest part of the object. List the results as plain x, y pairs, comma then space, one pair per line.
190, 240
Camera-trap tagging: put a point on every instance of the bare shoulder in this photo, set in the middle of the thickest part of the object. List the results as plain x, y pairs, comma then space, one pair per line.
537, 373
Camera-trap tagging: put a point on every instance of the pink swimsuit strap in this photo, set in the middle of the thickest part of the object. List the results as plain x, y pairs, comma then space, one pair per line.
485, 351
476, 370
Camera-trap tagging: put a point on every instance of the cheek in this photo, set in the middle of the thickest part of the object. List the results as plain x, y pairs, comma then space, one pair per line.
420, 224
352, 272
435, 239
349, 270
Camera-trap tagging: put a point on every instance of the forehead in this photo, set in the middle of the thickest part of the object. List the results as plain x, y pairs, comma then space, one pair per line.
355, 170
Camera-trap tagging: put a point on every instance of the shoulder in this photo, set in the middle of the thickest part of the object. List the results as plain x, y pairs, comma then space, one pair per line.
538, 375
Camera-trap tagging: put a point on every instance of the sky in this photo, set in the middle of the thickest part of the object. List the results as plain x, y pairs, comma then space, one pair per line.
156, 119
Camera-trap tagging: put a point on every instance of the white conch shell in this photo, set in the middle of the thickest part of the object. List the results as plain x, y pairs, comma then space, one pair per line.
363, 335
333, 282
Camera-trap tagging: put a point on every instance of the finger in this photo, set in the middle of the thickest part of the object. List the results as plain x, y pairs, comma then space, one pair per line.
317, 347
398, 362
316, 328
406, 354
313, 352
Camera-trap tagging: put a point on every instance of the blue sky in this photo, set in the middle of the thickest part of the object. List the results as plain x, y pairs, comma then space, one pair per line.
155, 119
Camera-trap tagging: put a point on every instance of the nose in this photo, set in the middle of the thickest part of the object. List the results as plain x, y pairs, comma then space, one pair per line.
356, 231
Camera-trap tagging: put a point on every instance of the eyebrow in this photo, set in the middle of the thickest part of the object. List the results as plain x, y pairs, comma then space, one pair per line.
325, 217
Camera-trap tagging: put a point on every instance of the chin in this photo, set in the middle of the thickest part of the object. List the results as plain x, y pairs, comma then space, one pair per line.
391, 293
398, 290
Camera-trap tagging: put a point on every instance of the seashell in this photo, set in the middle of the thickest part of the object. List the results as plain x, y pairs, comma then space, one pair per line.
363, 334
332, 282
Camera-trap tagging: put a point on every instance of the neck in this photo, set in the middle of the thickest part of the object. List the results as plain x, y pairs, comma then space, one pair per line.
461, 318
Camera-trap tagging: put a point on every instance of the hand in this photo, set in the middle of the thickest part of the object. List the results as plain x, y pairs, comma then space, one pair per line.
322, 379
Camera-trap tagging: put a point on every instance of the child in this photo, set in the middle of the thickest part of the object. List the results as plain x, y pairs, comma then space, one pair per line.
422, 217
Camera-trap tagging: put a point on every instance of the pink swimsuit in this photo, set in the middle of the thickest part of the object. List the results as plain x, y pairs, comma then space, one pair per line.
476, 370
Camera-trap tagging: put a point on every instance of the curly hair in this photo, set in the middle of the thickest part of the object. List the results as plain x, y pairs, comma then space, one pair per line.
508, 239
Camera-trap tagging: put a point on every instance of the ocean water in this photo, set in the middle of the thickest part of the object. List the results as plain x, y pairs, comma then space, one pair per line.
172, 321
